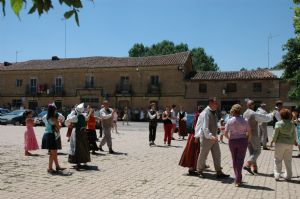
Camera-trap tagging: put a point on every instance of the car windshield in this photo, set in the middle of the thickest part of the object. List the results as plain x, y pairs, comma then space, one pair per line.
41, 114
18, 112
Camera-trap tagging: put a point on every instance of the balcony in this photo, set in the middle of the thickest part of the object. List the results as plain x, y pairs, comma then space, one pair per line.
124, 89
154, 90
31, 90
57, 91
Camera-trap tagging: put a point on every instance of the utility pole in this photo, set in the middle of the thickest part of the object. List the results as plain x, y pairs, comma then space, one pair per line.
269, 38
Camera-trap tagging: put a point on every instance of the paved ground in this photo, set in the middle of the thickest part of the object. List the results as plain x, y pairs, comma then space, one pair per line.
138, 171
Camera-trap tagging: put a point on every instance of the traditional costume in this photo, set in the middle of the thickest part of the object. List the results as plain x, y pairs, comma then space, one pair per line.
79, 145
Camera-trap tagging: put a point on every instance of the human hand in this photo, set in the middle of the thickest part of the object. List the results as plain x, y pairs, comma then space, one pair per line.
215, 138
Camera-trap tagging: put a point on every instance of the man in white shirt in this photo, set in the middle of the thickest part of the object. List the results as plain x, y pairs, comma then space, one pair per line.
106, 114
206, 129
254, 147
263, 127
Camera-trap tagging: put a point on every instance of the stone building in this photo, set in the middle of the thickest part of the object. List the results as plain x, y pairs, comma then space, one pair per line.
132, 82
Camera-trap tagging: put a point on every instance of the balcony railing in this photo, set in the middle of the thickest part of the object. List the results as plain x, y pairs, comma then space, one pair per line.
154, 90
124, 89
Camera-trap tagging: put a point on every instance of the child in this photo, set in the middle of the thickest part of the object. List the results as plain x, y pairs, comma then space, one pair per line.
30, 143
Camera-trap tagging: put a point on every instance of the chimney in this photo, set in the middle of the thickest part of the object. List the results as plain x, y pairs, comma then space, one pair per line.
7, 63
55, 58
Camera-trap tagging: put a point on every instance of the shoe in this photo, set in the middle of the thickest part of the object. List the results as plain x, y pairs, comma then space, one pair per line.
27, 153
93, 152
169, 144
193, 173
255, 171
100, 148
222, 175
150, 143
207, 166
237, 184
266, 148
173, 138
153, 144
201, 174
51, 171
60, 168
111, 151
248, 169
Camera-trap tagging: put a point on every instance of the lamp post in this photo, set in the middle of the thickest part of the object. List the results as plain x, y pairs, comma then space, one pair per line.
269, 38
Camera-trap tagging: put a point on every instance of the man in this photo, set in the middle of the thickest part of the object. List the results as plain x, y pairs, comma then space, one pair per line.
278, 107
262, 127
206, 129
254, 148
153, 119
173, 119
106, 114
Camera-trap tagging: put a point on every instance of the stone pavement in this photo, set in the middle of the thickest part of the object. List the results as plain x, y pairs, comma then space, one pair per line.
138, 171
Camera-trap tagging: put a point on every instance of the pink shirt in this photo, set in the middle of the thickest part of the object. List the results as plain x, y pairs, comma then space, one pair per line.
237, 127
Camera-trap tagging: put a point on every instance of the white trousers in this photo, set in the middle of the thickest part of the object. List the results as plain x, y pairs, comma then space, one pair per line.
283, 152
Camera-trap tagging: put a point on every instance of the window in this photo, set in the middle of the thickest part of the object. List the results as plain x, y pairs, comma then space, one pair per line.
124, 79
154, 80
89, 81
90, 100
33, 85
58, 85
231, 87
19, 82
257, 87
202, 88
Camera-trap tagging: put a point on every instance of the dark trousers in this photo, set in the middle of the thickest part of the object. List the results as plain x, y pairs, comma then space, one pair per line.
152, 133
238, 148
100, 130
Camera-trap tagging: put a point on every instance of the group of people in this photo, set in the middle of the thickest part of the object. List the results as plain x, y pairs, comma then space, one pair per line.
81, 133
169, 118
243, 130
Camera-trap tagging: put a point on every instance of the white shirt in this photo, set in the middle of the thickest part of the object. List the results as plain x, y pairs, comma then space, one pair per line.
277, 115
115, 116
259, 117
151, 117
173, 116
262, 111
202, 124
185, 116
72, 118
105, 115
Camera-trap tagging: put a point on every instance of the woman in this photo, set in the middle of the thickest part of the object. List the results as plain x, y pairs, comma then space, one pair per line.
79, 144
30, 141
91, 130
296, 121
191, 152
166, 117
237, 130
50, 137
284, 136
182, 116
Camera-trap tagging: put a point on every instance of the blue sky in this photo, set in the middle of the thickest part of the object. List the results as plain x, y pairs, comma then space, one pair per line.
234, 32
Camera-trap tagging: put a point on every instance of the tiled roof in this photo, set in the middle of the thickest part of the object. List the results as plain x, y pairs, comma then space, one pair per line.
96, 62
235, 75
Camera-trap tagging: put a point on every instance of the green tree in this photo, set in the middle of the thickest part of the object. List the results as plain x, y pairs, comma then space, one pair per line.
42, 6
201, 61
291, 60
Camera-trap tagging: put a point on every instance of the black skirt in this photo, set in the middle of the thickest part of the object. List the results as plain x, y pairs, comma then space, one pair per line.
49, 142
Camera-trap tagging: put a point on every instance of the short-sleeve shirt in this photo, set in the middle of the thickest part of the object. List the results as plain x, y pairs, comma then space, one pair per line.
237, 127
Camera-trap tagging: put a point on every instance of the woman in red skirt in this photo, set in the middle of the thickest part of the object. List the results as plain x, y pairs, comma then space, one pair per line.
192, 149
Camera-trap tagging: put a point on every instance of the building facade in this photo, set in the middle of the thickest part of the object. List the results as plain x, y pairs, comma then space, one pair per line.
132, 82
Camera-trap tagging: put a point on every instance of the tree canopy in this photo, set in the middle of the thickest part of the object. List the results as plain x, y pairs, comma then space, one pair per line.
291, 60
42, 6
201, 61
